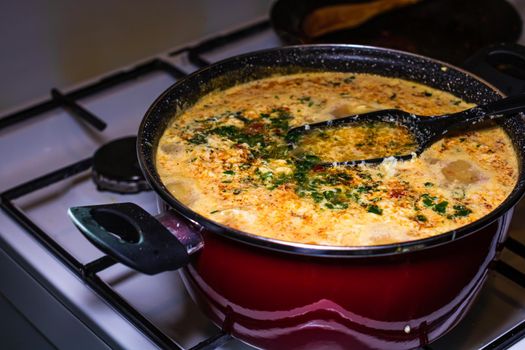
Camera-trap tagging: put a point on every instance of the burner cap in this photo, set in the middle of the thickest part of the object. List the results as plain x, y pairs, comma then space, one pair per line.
116, 168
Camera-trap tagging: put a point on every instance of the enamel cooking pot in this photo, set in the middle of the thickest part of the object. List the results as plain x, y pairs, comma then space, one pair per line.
274, 294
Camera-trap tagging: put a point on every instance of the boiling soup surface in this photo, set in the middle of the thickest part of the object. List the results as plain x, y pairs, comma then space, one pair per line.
226, 158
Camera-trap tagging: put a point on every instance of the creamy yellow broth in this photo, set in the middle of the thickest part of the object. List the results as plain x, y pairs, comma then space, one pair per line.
356, 141
227, 159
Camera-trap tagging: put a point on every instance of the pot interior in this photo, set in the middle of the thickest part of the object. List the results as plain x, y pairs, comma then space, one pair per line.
312, 58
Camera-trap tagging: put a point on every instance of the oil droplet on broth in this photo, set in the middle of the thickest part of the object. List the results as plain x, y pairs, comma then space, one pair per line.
357, 141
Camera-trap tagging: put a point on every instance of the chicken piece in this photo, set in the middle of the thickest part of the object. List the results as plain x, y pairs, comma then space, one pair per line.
461, 171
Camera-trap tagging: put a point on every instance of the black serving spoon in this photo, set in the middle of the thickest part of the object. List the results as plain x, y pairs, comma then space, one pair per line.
424, 129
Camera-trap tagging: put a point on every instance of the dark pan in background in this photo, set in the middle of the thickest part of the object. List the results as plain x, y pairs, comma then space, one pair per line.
448, 30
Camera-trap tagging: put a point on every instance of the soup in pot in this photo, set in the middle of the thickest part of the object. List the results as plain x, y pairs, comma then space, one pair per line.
227, 158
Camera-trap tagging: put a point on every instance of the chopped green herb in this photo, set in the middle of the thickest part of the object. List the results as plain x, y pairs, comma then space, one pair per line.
338, 178
329, 195
316, 196
304, 99
461, 210
228, 131
337, 205
306, 162
353, 195
421, 218
432, 203
282, 179
375, 209
429, 184
364, 189
229, 172
428, 201
275, 151
281, 121
293, 137
237, 191
427, 93
266, 175
237, 135
364, 176
441, 207
198, 139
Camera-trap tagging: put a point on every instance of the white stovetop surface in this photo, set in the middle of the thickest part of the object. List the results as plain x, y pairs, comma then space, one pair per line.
56, 139
34, 148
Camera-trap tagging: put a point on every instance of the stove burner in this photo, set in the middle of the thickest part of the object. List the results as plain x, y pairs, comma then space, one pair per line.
116, 168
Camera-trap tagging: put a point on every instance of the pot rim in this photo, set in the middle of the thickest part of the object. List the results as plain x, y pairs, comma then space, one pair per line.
311, 249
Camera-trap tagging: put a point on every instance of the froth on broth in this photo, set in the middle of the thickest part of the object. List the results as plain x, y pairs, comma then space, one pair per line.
227, 159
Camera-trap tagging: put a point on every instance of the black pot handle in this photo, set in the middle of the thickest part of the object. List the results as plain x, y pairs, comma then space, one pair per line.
502, 65
133, 237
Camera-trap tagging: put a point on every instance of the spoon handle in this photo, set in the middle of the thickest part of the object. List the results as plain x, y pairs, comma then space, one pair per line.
432, 129
493, 110
512, 104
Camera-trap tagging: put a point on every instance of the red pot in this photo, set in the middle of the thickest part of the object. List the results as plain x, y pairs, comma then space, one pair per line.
275, 300
274, 294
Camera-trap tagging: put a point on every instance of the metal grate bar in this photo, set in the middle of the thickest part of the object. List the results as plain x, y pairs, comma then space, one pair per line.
78, 110
86, 272
508, 339
510, 272
48, 242
507, 270
46, 180
36, 184
104, 83
27, 113
225, 39
195, 52
197, 60
515, 246
228, 38
97, 265
175, 72
213, 342
132, 314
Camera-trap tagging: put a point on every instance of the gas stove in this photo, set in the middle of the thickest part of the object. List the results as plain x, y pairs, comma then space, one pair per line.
76, 296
